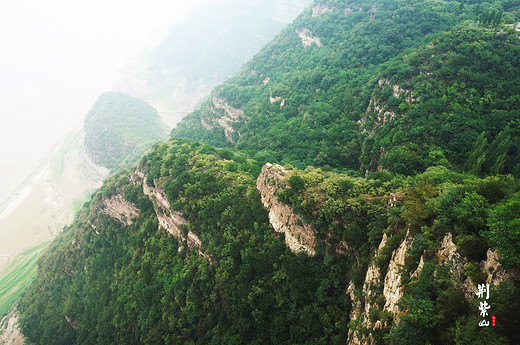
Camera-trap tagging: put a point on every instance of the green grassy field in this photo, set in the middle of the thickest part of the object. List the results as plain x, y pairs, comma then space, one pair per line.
17, 276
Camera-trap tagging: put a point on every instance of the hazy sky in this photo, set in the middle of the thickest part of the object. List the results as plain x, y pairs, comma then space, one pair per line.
56, 57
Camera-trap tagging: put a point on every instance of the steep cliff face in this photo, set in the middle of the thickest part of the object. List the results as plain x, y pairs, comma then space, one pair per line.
374, 285
299, 236
371, 289
448, 254
392, 284
225, 121
308, 39
493, 269
168, 219
120, 209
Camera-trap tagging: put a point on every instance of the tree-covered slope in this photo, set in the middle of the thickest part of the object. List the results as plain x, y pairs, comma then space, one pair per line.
400, 85
220, 277
119, 129
180, 250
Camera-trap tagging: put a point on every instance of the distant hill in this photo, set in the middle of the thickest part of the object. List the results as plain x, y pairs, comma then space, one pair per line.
119, 129
216, 39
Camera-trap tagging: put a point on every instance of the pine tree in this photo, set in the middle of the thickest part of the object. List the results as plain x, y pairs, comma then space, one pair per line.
477, 157
498, 19
497, 153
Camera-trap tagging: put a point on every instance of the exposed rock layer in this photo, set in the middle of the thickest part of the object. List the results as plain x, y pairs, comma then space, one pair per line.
171, 221
226, 121
120, 209
299, 236
9, 332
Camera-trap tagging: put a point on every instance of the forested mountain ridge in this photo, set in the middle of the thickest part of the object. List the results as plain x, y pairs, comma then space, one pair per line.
180, 250
398, 85
205, 245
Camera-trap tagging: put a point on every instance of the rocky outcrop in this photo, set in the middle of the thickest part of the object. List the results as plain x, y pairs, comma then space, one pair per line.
308, 39
320, 9
392, 289
9, 332
360, 327
394, 198
371, 289
231, 115
120, 209
277, 99
299, 236
515, 26
372, 279
372, 12
171, 221
492, 268
398, 91
448, 253
351, 9
378, 107
416, 273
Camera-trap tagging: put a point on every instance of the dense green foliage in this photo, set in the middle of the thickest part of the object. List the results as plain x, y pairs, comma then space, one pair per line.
119, 129
504, 223
432, 204
401, 85
136, 284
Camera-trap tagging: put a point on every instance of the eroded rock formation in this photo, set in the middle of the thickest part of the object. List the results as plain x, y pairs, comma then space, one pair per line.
9, 331
171, 221
120, 209
392, 289
308, 39
299, 236
231, 115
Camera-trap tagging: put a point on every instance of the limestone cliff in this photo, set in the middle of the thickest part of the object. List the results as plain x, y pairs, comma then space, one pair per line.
381, 111
308, 39
371, 289
120, 209
226, 120
299, 236
390, 287
171, 221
